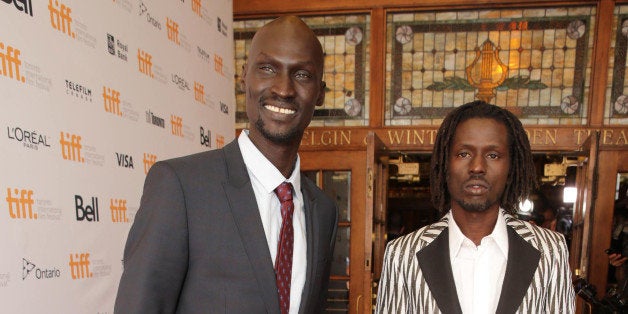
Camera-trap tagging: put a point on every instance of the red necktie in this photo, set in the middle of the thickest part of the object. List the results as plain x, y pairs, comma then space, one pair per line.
283, 261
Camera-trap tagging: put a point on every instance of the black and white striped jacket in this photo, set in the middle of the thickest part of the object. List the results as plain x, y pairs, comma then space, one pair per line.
417, 276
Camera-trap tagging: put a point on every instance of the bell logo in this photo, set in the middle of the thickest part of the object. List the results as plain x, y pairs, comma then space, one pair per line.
149, 160
89, 212
144, 62
79, 266
177, 125
173, 30
71, 147
25, 7
20, 204
10, 59
218, 64
196, 7
220, 141
199, 92
118, 210
60, 18
206, 139
111, 98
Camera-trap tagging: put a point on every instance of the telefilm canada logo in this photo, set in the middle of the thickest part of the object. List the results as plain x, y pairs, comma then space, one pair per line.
78, 90
31, 270
29, 138
21, 5
117, 48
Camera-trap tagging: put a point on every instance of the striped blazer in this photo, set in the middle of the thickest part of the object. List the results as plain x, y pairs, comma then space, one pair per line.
417, 275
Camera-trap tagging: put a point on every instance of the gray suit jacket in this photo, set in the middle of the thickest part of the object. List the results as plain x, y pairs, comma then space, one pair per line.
197, 244
417, 275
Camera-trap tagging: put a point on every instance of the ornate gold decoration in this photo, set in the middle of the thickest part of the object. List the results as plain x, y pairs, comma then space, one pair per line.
487, 71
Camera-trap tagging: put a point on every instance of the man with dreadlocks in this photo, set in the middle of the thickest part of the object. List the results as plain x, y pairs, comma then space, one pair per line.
478, 258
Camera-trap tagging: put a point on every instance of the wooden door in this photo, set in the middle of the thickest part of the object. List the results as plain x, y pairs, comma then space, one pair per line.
352, 178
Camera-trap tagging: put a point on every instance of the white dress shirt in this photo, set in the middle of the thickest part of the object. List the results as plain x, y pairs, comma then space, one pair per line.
478, 270
265, 177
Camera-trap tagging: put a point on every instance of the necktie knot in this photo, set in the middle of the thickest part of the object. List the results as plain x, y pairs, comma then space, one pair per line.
284, 191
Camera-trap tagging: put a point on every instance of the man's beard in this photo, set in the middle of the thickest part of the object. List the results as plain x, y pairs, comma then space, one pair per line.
474, 207
278, 138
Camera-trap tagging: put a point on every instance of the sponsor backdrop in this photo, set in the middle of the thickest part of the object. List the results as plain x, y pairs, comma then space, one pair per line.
92, 94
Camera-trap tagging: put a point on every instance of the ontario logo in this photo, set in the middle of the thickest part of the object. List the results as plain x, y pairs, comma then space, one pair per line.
118, 210
20, 203
21, 5
29, 268
61, 17
150, 19
29, 138
78, 90
11, 63
149, 160
79, 266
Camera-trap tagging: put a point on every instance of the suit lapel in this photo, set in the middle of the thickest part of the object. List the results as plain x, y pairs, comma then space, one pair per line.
436, 267
523, 260
245, 212
311, 232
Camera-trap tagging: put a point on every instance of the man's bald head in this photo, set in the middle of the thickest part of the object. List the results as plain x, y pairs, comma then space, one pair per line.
293, 30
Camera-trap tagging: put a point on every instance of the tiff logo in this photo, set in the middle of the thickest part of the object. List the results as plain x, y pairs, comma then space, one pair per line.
218, 64
71, 147
60, 18
177, 125
20, 203
79, 266
199, 92
173, 30
25, 7
149, 160
144, 62
220, 141
88, 212
196, 7
111, 98
118, 210
11, 62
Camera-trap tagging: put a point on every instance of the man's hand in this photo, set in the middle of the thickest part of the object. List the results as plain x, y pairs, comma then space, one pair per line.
616, 259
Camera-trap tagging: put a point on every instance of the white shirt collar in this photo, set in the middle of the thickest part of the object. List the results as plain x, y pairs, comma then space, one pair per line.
264, 171
457, 238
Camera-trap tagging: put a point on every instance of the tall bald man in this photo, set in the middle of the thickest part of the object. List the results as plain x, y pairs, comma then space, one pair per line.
238, 229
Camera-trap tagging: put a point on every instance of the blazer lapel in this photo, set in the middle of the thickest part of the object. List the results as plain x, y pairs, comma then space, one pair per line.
523, 260
436, 267
311, 231
245, 212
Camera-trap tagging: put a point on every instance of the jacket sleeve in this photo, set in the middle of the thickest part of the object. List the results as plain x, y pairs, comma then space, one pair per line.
156, 251
390, 288
561, 298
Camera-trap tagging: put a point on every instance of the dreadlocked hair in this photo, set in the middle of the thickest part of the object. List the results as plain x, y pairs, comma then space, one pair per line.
522, 175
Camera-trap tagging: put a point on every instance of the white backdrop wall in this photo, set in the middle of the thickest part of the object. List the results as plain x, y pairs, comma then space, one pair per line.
92, 93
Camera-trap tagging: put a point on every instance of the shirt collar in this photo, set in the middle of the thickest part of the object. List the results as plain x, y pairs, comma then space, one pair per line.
457, 238
263, 170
